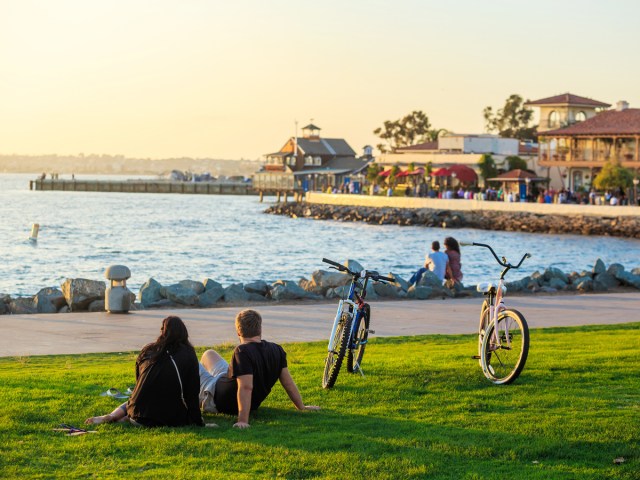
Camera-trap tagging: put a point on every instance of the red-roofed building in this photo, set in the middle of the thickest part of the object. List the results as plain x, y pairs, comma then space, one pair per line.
566, 109
576, 153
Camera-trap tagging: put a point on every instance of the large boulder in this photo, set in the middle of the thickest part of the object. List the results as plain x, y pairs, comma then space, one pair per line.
604, 281
599, 267
80, 292
584, 284
388, 290
180, 293
629, 279
353, 265
553, 272
22, 306
430, 279
323, 280
49, 300
288, 290
419, 292
235, 293
614, 269
96, 306
400, 282
259, 287
149, 293
213, 293
193, 285
557, 284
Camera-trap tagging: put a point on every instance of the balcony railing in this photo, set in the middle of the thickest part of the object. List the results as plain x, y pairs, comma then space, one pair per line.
586, 155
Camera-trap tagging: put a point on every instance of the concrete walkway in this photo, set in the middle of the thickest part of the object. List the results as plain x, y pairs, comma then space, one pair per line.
23, 335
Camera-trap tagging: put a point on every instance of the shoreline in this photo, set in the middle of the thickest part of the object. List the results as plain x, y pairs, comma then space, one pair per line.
517, 221
324, 286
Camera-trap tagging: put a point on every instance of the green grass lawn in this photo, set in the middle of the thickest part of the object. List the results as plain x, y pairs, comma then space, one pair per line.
424, 410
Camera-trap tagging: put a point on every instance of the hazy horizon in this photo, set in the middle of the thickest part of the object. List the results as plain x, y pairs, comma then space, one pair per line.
201, 79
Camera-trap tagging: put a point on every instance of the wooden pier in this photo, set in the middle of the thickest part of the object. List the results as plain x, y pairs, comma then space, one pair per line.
160, 186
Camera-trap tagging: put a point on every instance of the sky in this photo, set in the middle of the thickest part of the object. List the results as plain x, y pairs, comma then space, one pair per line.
229, 79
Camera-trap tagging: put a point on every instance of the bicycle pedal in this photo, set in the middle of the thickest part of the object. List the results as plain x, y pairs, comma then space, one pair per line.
476, 357
372, 332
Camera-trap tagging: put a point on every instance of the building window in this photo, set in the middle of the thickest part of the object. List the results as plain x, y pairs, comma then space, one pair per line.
581, 117
554, 119
308, 160
317, 161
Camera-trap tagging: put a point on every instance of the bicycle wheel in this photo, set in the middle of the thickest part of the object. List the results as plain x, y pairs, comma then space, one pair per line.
355, 354
482, 326
502, 364
337, 350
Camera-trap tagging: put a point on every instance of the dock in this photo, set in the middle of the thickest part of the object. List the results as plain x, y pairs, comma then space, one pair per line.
161, 186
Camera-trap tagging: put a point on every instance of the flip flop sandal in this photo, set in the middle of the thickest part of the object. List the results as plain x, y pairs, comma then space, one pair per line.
130, 389
114, 393
71, 430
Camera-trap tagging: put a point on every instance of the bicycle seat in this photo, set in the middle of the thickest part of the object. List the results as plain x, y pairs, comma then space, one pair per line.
486, 287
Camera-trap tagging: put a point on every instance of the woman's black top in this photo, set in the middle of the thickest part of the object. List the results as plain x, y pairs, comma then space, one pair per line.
156, 400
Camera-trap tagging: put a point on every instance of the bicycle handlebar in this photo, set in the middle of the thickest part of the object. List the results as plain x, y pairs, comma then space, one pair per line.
502, 262
337, 265
369, 274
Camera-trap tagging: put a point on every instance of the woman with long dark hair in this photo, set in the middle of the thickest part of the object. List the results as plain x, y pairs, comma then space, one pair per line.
167, 382
453, 274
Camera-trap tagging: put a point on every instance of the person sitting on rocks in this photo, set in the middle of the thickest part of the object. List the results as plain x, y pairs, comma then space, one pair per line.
436, 261
453, 274
167, 383
256, 365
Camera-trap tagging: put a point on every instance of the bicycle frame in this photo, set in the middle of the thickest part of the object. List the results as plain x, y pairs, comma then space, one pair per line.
496, 304
355, 310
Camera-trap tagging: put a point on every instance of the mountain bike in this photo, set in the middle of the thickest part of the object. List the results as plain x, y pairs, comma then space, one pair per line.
503, 334
350, 331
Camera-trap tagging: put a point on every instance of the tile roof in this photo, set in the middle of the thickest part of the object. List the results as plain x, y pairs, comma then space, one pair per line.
610, 122
419, 147
568, 99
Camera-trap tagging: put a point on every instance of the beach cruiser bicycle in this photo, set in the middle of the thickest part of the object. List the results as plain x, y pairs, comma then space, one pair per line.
503, 334
350, 330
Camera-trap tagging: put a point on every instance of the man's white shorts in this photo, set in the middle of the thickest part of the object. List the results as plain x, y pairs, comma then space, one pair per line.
208, 380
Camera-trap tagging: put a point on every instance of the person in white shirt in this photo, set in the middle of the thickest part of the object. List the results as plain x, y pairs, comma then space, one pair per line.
436, 261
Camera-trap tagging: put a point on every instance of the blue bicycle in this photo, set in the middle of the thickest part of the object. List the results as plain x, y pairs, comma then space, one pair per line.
350, 330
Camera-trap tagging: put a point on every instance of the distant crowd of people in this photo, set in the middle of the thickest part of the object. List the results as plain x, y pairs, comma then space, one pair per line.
534, 195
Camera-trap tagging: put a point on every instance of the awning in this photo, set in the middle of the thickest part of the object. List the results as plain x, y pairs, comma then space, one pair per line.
441, 172
406, 173
386, 173
517, 175
463, 173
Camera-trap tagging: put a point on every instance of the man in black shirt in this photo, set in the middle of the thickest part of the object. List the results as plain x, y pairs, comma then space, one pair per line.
255, 367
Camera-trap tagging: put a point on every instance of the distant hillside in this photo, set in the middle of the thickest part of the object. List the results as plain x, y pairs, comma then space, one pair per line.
118, 164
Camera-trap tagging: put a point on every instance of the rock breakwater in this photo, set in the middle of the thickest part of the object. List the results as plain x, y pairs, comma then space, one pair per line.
484, 220
81, 295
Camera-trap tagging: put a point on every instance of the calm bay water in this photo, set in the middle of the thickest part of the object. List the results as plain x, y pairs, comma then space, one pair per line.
229, 239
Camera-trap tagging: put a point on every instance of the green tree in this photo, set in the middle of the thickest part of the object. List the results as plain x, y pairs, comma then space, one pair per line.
373, 173
393, 174
514, 162
487, 167
613, 175
408, 130
435, 133
511, 121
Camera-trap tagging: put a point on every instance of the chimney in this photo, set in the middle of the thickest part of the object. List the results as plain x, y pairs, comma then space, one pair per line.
622, 105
